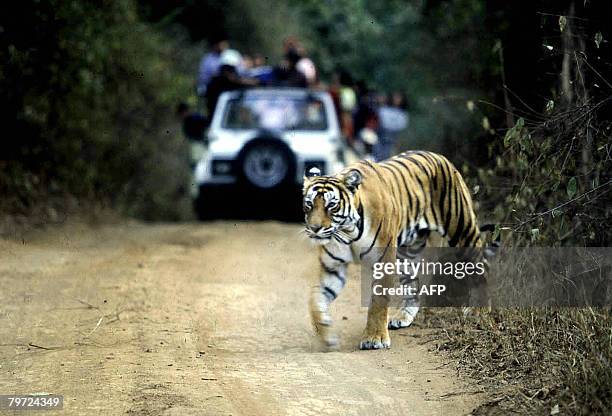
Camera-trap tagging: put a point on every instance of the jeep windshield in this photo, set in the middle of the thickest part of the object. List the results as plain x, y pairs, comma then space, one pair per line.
275, 113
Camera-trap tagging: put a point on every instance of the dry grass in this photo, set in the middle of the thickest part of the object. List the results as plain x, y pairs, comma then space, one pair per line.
533, 361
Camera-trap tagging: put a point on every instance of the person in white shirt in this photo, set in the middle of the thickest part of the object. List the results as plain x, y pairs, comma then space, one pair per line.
210, 64
305, 65
392, 119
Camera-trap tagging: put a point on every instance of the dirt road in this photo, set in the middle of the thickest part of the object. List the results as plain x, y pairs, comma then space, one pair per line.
198, 319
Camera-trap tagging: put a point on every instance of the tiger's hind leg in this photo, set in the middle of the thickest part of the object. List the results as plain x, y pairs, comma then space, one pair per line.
404, 317
409, 308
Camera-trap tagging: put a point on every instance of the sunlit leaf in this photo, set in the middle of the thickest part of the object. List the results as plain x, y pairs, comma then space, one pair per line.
535, 233
555, 186
485, 123
562, 23
514, 132
562, 226
598, 39
572, 187
508, 138
550, 105
497, 46
496, 232
526, 142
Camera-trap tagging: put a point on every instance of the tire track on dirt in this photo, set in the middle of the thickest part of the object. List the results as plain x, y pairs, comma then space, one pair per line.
199, 319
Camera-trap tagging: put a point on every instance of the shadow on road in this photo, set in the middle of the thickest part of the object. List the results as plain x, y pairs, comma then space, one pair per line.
244, 203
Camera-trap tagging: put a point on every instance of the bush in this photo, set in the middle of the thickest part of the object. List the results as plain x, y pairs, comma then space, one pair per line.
552, 174
90, 92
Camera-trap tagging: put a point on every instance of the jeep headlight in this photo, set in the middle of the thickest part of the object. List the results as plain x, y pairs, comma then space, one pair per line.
222, 167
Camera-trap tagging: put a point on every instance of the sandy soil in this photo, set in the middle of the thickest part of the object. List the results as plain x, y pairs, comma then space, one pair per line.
199, 319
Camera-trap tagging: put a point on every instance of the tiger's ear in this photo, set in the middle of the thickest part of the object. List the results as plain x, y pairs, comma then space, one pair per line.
352, 180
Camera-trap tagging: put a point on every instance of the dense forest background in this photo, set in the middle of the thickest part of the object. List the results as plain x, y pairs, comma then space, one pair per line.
517, 93
90, 87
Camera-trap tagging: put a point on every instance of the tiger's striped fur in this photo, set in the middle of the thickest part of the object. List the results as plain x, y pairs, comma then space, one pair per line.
393, 205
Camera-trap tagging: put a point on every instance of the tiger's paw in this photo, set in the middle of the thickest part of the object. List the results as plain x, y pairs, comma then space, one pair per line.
328, 340
323, 327
398, 323
403, 318
331, 341
376, 341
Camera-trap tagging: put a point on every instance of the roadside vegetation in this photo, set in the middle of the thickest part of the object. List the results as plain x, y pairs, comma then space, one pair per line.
547, 182
89, 90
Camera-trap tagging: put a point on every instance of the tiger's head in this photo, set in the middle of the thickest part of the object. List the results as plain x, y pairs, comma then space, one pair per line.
329, 205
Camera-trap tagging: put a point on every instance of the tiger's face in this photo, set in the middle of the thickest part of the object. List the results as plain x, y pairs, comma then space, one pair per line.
329, 207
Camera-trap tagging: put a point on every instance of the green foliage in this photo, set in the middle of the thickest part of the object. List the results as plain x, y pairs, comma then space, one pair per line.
549, 183
598, 39
558, 173
257, 29
91, 93
92, 88
433, 53
515, 133
571, 187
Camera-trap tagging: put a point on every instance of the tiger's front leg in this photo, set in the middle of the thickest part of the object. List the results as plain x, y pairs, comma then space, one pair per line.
376, 333
332, 281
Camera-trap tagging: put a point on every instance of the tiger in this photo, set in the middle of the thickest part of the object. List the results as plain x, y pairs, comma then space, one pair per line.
393, 205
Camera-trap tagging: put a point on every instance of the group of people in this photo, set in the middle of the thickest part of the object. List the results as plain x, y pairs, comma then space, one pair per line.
225, 69
370, 121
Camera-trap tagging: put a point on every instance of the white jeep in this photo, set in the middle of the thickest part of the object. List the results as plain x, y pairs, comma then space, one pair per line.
265, 139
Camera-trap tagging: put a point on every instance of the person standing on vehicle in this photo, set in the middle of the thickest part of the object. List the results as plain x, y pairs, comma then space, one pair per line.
287, 74
304, 64
210, 64
307, 67
393, 119
228, 79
